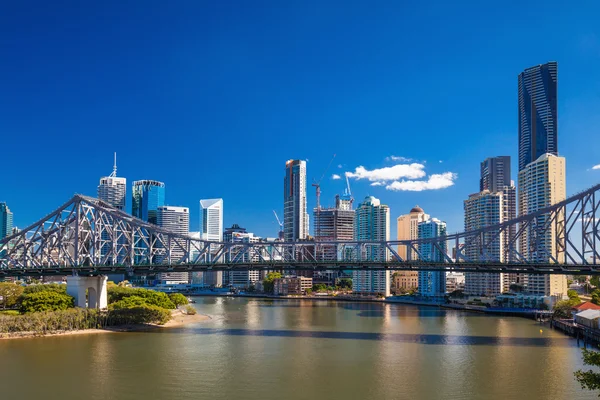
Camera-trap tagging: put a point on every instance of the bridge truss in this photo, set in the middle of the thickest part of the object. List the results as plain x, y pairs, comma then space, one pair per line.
87, 236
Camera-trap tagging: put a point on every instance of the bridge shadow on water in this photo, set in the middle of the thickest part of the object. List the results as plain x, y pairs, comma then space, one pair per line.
427, 339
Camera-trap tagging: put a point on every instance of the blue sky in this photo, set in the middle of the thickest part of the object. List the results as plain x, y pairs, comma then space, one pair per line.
213, 97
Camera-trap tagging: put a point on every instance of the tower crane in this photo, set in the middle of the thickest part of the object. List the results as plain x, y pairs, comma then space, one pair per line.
317, 185
280, 235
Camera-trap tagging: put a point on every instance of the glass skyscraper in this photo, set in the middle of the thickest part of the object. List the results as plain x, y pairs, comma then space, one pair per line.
295, 217
538, 117
147, 196
432, 283
6, 221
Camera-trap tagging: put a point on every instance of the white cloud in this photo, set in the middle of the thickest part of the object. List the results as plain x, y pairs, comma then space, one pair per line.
335, 177
596, 166
377, 184
411, 171
441, 161
435, 181
398, 158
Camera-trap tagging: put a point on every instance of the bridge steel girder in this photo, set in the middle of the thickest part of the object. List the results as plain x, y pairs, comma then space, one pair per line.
87, 236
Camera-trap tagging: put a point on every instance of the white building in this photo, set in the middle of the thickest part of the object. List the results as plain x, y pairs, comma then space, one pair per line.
211, 229
177, 220
113, 190
372, 222
484, 209
295, 217
542, 184
241, 279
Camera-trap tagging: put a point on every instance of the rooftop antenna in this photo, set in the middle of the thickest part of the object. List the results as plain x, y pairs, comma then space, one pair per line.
114, 173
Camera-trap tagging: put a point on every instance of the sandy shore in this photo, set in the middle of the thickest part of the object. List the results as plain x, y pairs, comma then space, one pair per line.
179, 319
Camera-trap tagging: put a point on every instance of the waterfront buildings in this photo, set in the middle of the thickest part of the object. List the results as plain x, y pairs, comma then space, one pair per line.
211, 229
542, 184
372, 222
538, 116
147, 196
295, 217
241, 279
432, 284
177, 220
112, 189
6, 221
455, 281
408, 229
291, 285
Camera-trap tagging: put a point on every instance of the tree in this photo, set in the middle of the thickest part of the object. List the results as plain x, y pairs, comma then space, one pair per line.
319, 287
596, 296
178, 299
457, 294
10, 294
52, 287
308, 291
268, 282
595, 280
589, 379
515, 288
573, 295
562, 309
345, 283
47, 300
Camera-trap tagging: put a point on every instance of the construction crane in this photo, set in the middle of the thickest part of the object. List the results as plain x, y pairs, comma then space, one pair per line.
317, 185
348, 192
280, 235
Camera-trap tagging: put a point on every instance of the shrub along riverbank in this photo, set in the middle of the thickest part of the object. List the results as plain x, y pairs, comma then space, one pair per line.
43, 309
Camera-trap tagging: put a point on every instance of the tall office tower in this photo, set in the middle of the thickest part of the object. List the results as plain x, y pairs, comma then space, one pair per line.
538, 116
147, 196
6, 221
112, 190
542, 184
211, 229
408, 229
481, 210
247, 278
176, 220
432, 283
295, 217
372, 222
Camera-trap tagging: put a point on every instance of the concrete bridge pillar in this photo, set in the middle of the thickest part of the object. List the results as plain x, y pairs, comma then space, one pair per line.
95, 286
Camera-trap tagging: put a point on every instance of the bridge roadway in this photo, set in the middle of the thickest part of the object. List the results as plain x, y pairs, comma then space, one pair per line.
143, 269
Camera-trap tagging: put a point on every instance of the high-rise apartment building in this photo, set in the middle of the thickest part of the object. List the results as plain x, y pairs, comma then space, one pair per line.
6, 221
176, 220
538, 116
372, 222
408, 229
211, 229
481, 210
147, 196
241, 279
112, 189
295, 217
542, 183
432, 284
333, 224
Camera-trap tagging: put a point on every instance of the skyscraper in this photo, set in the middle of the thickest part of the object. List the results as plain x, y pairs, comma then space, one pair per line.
334, 224
541, 184
6, 221
408, 229
432, 283
147, 196
295, 217
176, 220
538, 116
372, 222
112, 190
211, 229
211, 219
481, 210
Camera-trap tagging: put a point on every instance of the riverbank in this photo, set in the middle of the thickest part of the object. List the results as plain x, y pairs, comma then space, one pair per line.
178, 320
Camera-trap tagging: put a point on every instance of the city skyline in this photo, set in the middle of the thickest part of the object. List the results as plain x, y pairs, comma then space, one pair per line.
292, 105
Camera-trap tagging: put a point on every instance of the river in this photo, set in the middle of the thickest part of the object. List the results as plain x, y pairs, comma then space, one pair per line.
300, 349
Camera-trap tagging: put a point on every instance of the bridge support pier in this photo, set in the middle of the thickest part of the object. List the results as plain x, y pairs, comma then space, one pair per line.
95, 286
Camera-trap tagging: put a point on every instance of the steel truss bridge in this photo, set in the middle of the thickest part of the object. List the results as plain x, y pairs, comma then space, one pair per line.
86, 236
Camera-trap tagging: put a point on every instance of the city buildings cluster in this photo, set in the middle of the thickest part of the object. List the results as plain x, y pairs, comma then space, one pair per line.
541, 183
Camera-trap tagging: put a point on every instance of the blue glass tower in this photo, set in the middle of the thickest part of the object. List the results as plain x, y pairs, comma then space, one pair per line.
147, 196
538, 117
6, 221
432, 283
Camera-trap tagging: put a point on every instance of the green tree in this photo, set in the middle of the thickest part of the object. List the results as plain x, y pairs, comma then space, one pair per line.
308, 292
345, 283
178, 299
562, 309
596, 296
128, 302
457, 294
573, 295
589, 379
51, 287
319, 287
515, 288
268, 282
10, 294
595, 280
45, 301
